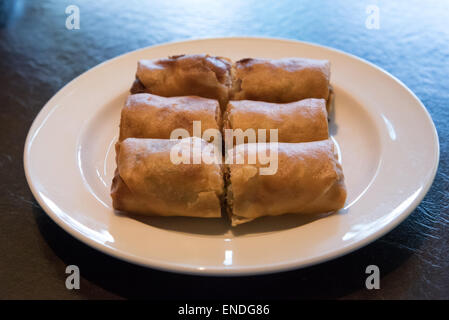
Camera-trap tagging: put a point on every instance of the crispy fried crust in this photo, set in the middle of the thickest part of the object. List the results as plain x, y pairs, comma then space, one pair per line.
149, 116
300, 121
281, 80
147, 182
184, 75
309, 179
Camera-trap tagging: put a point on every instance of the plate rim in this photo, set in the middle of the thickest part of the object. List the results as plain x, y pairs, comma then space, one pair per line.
228, 271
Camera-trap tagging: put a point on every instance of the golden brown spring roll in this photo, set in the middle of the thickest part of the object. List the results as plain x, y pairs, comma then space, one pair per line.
281, 80
150, 116
300, 121
308, 179
185, 75
148, 182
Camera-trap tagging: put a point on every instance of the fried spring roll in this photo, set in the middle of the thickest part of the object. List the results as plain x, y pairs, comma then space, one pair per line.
281, 80
148, 182
150, 116
300, 121
308, 179
185, 75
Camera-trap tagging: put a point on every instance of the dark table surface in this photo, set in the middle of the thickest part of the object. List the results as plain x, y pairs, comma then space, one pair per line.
38, 55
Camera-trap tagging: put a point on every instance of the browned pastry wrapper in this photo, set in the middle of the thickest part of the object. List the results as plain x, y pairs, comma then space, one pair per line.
300, 121
151, 116
185, 75
280, 80
147, 182
308, 180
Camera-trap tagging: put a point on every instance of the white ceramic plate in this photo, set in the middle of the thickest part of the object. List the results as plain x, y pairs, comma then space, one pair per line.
387, 142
